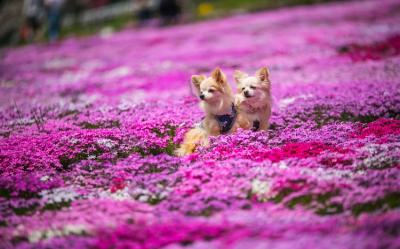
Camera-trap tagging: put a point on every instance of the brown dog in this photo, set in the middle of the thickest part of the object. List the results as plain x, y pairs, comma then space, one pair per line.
217, 102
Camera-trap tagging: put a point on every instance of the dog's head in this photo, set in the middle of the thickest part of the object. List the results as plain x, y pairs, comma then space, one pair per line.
210, 89
254, 90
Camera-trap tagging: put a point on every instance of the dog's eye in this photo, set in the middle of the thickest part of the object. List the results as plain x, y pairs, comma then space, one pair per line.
211, 90
243, 88
253, 87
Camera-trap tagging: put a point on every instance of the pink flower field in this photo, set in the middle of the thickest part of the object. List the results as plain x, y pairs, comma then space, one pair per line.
88, 128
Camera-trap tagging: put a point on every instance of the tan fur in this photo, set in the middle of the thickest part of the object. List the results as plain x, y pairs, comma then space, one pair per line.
218, 99
192, 139
257, 106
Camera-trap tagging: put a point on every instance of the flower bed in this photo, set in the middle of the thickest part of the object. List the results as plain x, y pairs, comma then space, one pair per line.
88, 128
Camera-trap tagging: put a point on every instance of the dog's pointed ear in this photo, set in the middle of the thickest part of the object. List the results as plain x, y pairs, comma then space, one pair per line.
218, 76
238, 75
263, 74
197, 79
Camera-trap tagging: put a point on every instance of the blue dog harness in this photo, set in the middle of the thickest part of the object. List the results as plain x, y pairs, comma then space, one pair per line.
225, 121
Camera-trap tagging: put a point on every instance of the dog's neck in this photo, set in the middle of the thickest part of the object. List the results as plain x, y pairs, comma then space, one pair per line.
258, 107
220, 107
252, 109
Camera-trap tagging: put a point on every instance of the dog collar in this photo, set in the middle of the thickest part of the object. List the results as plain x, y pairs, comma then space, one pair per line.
226, 121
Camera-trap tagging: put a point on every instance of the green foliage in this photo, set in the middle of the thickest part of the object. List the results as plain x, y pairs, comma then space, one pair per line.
390, 201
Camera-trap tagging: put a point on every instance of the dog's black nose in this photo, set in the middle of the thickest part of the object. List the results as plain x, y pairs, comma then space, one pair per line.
202, 96
247, 94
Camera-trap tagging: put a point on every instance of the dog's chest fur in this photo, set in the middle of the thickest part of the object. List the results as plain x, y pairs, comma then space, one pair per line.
258, 115
257, 118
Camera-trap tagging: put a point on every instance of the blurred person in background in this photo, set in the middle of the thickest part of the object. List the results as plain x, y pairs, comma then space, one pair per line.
170, 11
33, 13
54, 18
145, 11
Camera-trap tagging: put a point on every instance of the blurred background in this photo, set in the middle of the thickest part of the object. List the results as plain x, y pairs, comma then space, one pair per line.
27, 21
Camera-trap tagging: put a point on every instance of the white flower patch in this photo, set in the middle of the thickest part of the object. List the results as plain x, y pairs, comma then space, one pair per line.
70, 229
105, 142
118, 72
143, 198
144, 195
124, 106
106, 32
59, 63
370, 148
164, 194
287, 101
120, 195
166, 65
258, 169
378, 157
92, 65
58, 195
140, 191
262, 189
329, 174
70, 140
282, 165
70, 78
135, 97
22, 121
88, 99
44, 178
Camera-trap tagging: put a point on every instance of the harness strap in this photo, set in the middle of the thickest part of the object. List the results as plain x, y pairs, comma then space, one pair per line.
226, 121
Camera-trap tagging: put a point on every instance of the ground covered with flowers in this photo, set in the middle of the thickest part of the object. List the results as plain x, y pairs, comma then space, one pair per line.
88, 128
